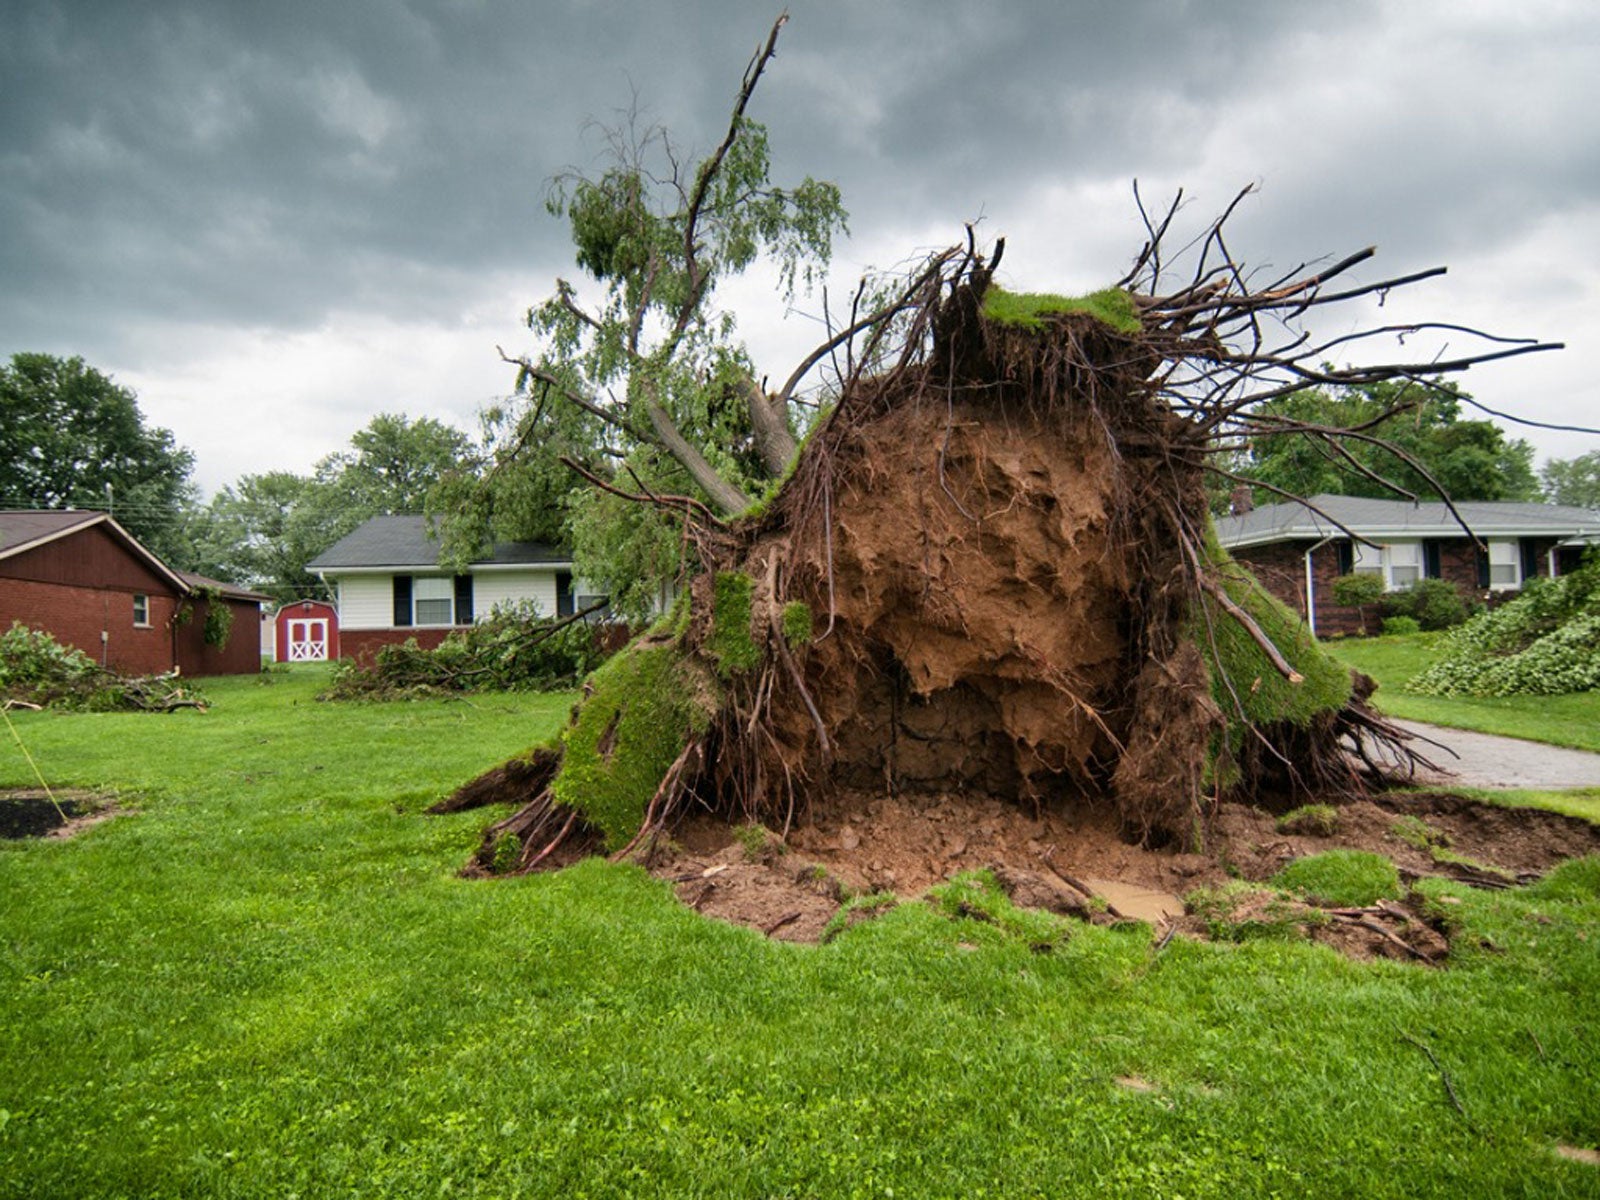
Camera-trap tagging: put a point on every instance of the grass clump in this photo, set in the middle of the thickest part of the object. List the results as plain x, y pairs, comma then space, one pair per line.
1239, 911
730, 642
644, 704
1310, 820
1418, 834
1029, 310
857, 909
978, 896
1342, 878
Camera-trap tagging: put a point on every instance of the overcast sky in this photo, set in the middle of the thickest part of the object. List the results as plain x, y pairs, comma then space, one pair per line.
275, 220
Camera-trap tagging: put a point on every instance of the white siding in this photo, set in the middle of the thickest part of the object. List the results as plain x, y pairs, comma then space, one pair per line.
366, 602
508, 587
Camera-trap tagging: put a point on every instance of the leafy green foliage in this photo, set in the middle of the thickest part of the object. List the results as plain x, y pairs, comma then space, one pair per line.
1342, 878
1358, 590
1432, 603
1110, 306
263, 529
1472, 460
1401, 626
640, 711
514, 648
1545, 642
1574, 481
37, 669
72, 437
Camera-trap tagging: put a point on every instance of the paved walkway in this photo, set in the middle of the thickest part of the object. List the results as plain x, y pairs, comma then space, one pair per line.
1483, 760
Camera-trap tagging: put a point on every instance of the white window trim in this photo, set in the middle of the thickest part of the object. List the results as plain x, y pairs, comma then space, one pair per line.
1382, 560
1505, 552
433, 589
137, 597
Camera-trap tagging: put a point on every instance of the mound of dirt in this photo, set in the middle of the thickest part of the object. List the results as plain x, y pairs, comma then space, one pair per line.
33, 812
1061, 856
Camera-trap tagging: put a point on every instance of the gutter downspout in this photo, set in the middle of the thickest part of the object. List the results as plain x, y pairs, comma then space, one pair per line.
1311, 587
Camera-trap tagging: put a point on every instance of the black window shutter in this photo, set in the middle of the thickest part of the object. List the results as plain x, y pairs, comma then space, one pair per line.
564, 594
402, 601
1430, 559
1347, 556
463, 599
1530, 558
1482, 557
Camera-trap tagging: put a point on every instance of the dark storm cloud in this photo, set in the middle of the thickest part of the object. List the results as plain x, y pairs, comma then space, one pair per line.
174, 171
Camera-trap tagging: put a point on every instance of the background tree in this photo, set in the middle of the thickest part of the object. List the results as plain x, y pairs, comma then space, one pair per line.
640, 378
70, 436
1574, 481
1394, 432
264, 529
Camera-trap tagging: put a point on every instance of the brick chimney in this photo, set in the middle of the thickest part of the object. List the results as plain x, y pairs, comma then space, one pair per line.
1241, 501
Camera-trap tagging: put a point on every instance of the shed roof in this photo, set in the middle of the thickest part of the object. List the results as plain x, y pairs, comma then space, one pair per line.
1292, 521
405, 542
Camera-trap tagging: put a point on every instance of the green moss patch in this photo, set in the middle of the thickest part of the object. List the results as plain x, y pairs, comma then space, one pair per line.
1030, 310
1265, 696
643, 707
797, 623
730, 643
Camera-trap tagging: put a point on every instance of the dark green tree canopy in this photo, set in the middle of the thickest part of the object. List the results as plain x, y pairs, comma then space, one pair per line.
1574, 481
265, 528
1384, 436
71, 436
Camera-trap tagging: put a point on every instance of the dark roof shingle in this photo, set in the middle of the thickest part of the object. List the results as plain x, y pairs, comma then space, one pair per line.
403, 542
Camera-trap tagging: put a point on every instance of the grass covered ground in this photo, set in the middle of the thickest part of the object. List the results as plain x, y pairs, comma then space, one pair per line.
1571, 720
269, 982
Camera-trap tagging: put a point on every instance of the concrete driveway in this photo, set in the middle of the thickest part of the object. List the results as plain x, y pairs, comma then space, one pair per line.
1483, 760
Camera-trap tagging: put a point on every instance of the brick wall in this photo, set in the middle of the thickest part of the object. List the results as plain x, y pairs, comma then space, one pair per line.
363, 644
76, 616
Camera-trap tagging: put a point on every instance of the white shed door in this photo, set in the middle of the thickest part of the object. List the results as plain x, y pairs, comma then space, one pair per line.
308, 639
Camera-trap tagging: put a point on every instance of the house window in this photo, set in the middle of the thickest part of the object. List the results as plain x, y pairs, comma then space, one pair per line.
433, 598
141, 609
1404, 560
1399, 564
1505, 565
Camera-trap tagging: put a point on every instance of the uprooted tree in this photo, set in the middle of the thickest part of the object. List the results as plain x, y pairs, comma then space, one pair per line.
988, 564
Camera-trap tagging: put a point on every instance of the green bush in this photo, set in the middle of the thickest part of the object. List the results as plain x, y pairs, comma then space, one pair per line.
1545, 642
1358, 591
514, 648
1342, 878
1432, 603
1400, 626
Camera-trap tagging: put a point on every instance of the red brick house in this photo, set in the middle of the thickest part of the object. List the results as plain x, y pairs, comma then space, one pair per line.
1298, 550
86, 581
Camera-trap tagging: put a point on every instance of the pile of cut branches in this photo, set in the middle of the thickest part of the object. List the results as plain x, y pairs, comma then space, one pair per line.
36, 671
513, 649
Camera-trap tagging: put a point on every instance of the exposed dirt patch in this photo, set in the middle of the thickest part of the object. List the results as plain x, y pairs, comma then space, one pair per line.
32, 812
1059, 857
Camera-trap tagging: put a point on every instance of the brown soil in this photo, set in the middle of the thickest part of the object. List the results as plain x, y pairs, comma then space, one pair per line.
905, 845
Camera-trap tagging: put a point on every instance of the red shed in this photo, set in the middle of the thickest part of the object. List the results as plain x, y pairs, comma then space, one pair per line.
306, 631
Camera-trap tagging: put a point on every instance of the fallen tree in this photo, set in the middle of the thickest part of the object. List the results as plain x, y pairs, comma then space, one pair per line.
989, 566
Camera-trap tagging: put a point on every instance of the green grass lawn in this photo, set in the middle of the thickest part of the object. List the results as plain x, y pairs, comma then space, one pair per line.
1572, 720
268, 981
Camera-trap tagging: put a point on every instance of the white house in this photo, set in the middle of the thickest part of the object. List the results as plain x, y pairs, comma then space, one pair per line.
389, 586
